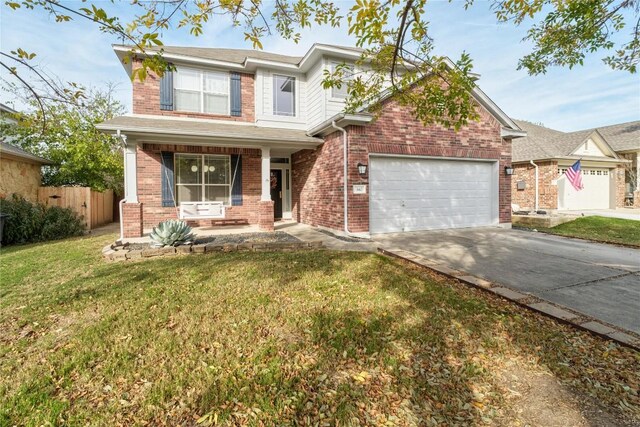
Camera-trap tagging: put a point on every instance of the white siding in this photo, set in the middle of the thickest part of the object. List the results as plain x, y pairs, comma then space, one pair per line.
316, 95
590, 148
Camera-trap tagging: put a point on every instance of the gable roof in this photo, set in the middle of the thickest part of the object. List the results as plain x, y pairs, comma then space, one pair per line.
11, 151
623, 136
545, 143
6, 109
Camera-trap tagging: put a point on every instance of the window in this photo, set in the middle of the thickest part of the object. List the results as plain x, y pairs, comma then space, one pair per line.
203, 178
202, 91
341, 93
284, 95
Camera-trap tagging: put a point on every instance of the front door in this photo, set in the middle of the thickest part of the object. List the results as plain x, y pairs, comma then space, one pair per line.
276, 192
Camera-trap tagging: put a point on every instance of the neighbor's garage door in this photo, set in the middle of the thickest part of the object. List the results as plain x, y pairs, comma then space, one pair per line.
595, 194
408, 194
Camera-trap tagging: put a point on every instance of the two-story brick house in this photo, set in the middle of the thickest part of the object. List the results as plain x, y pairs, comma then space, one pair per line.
246, 135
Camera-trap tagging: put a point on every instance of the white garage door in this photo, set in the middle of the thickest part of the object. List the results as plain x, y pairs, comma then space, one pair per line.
408, 194
595, 194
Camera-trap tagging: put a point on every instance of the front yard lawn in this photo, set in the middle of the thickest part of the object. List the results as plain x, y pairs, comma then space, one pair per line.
601, 229
308, 338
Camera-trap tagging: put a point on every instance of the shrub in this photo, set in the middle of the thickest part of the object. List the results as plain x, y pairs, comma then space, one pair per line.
34, 222
171, 233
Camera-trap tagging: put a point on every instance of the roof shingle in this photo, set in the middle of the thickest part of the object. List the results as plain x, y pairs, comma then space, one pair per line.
546, 143
12, 150
207, 128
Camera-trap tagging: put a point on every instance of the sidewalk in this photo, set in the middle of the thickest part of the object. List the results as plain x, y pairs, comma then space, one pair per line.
309, 234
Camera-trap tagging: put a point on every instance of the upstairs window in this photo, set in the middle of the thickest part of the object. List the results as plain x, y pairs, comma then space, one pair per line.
341, 92
284, 95
202, 91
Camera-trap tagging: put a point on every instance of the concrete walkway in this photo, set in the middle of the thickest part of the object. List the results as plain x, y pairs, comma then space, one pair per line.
600, 281
310, 234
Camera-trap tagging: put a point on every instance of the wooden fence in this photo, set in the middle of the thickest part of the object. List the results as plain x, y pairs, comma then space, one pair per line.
96, 207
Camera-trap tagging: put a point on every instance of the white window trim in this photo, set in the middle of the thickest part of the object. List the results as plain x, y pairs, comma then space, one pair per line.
202, 183
202, 72
296, 99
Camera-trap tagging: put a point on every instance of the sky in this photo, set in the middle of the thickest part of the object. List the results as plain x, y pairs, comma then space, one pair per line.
585, 97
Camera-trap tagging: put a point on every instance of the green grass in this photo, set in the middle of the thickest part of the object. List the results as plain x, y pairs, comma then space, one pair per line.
600, 229
273, 339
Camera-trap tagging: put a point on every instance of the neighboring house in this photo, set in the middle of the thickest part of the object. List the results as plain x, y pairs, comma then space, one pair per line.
609, 161
20, 171
258, 133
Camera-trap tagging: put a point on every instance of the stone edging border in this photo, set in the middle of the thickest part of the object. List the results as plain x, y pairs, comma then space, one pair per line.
121, 253
528, 301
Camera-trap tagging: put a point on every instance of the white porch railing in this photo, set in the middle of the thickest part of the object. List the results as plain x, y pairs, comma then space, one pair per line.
202, 210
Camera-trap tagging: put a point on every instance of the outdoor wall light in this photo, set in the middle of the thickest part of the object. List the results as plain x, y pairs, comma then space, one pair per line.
362, 169
508, 170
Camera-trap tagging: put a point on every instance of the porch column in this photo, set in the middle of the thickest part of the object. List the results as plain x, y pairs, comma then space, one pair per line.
130, 210
130, 175
265, 209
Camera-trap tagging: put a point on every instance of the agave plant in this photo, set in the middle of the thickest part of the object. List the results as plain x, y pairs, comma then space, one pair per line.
171, 233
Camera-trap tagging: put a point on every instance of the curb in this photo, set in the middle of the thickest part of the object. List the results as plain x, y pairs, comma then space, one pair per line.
529, 301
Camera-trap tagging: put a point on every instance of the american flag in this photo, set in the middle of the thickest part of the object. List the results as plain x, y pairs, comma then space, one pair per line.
574, 175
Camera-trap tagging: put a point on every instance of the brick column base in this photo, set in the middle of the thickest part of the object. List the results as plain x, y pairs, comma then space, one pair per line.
636, 199
132, 219
265, 215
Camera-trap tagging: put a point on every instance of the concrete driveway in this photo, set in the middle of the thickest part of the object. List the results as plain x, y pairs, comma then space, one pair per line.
598, 280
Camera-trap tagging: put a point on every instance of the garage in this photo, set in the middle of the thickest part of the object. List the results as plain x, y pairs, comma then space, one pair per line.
412, 194
596, 193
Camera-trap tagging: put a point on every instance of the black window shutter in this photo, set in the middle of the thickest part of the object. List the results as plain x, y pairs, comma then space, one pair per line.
166, 91
166, 169
236, 95
236, 173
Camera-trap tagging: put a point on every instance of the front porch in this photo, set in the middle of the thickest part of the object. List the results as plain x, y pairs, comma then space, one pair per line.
238, 175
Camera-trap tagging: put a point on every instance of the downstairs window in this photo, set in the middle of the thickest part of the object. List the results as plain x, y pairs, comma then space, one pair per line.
202, 178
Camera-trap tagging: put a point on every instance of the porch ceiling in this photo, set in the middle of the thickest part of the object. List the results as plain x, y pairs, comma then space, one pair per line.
193, 131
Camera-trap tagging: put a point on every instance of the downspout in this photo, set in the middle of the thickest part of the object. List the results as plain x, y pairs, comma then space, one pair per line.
123, 138
536, 179
346, 186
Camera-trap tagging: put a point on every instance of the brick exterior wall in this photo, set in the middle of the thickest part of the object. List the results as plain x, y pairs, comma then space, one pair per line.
317, 175
265, 215
146, 99
150, 186
19, 177
547, 192
132, 214
620, 185
317, 187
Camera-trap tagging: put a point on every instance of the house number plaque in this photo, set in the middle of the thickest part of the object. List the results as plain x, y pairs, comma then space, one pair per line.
359, 189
